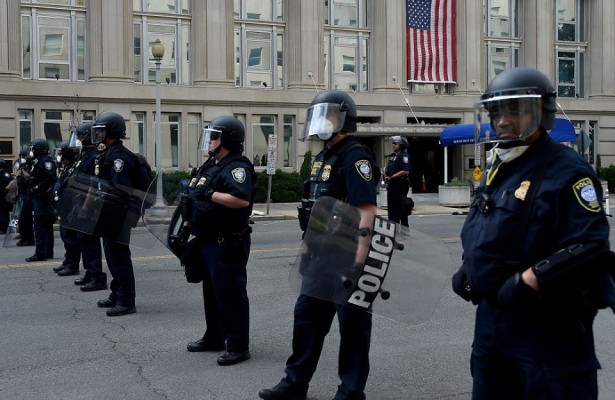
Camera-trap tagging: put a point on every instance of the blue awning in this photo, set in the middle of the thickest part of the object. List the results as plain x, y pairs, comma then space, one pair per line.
563, 131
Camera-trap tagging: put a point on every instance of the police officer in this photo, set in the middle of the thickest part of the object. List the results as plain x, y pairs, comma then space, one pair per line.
41, 183
397, 178
25, 222
113, 167
67, 158
345, 170
535, 246
221, 194
5, 205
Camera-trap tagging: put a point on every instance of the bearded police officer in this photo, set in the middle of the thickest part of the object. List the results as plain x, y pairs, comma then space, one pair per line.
536, 252
397, 178
221, 195
41, 183
345, 170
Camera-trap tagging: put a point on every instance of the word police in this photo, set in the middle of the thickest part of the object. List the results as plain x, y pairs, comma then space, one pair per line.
376, 264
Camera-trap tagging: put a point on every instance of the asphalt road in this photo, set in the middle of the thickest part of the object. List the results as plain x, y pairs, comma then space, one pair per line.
56, 344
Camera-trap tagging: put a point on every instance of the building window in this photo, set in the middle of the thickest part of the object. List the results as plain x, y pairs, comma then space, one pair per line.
259, 43
346, 45
502, 39
261, 10
262, 127
173, 30
287, 145
170, 134
54, 40
57, 126
137, 134
570, 48
195, 157
26, 134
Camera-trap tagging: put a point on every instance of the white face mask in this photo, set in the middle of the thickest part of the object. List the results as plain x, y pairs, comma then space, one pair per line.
324, 129
31, 153
59, 159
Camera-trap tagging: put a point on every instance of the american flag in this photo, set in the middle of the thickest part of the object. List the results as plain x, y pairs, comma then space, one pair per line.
430, 37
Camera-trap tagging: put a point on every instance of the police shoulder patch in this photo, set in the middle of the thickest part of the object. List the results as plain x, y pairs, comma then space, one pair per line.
405, 160
364, 168
118, 165
239, 174
7, 175
48, 165
585, 192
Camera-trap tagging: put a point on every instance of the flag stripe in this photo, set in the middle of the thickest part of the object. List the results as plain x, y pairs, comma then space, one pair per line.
431, 42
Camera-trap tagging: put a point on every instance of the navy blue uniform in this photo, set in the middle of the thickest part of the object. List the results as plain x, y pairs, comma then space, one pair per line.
547, 351
5, 206
397, 189
224, 241
345, 172
42, 180
114, 165
25, 222
70, 238
91, 250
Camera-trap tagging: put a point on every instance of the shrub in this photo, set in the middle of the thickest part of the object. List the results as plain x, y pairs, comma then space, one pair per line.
456, 182
608, 174
306, 166
171, 185
286, 187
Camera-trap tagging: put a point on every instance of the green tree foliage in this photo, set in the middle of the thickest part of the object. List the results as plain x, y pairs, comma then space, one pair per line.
306, 166
608, 174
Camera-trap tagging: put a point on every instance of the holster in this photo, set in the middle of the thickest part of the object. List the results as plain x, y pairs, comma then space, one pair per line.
304, 210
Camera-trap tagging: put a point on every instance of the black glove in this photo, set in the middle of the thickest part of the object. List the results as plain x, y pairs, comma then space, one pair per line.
184, 233
207, 194
461, 286
516, 295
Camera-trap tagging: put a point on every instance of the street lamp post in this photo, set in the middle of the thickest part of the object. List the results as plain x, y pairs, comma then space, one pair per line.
158, 53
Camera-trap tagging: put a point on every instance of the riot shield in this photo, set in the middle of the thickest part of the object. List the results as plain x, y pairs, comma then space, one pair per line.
98, 207
353, 258
10, 238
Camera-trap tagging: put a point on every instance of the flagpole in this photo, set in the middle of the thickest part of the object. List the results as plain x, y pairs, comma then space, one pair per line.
407, 102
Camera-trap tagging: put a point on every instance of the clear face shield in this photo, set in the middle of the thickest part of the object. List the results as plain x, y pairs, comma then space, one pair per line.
58, 154
323, 120
511, 118
74, 142
98, 133
207, 136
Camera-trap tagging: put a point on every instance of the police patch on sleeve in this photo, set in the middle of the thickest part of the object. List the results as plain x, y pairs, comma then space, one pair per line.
118, 165
364, 169
585, 193
48, 165
239, 174
405, 159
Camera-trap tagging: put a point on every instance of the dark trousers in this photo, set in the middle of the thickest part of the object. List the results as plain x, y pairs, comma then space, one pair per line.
395, 195
120, 266
225, 297
25, 222
91, 255
43, 228
313, 318
72, 248
546, 357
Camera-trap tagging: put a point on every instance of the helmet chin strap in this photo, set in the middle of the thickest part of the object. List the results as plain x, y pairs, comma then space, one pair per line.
215, 151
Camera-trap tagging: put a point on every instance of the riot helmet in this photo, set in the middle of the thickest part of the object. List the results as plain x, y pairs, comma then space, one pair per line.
109, 124
400, 140
330, 112
66, 152
228, 129
81, 136
38, 147
518, 102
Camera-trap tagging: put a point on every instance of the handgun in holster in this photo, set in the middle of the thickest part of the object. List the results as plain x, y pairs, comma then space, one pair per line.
304, 211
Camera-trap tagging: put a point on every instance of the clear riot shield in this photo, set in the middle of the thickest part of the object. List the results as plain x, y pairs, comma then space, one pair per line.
353, 258
10, 238
97, 207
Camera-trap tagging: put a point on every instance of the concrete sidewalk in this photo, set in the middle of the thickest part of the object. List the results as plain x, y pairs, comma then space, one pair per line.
424, 204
